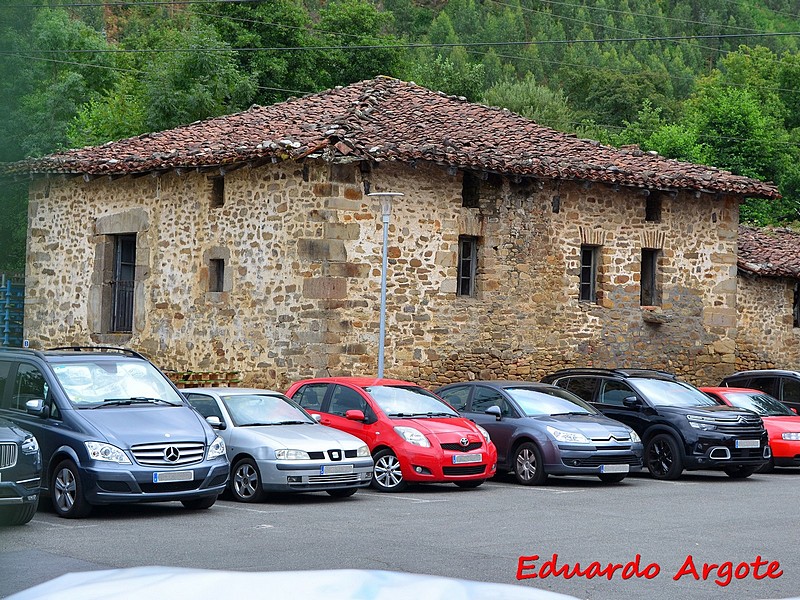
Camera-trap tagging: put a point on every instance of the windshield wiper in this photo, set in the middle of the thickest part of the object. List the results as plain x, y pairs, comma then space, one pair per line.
570, 413
133, 400
274, 423
427, 414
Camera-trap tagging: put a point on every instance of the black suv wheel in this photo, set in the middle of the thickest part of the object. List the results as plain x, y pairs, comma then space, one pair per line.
662, 456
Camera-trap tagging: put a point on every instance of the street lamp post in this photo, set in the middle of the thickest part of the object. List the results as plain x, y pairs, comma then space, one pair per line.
386, 211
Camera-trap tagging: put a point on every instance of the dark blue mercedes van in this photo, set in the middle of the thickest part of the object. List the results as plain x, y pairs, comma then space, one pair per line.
111, 428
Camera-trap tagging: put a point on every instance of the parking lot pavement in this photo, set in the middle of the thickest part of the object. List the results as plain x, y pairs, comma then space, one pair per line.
641, 538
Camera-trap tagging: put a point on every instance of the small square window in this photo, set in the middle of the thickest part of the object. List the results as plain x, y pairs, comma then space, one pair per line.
216, 275
796, 306
470, 191
217, 192
652, 210
467, 265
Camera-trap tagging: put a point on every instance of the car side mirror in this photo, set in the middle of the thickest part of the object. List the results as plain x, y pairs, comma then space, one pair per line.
794, 410
494, 410
316, 416
355, 415
632, 402
38, 408
215, 422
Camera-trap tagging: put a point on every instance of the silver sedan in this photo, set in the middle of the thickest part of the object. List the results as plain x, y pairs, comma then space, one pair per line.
276, 446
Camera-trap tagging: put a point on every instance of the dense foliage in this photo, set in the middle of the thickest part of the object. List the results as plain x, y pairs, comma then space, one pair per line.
710, 81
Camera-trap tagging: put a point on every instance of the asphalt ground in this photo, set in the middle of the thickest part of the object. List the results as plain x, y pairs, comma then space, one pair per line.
656, 536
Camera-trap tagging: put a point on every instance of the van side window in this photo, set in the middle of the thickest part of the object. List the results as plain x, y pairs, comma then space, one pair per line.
29, 385
791, 390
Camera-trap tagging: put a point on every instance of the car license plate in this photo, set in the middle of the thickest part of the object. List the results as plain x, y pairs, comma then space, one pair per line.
615, 468
459, 459
748, 443
335, 469
166, 476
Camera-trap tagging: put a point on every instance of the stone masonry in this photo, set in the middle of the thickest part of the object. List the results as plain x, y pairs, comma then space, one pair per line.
301, 243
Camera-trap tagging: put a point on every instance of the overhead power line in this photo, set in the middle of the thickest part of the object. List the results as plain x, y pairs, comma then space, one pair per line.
666, 38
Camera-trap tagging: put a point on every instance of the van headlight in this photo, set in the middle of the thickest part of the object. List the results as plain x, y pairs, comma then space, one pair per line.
217, 448
107, 453
362, 452
289, 454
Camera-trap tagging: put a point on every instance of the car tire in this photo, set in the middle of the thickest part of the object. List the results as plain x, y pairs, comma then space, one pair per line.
199, 503
663, 457
245, 483
342, 492
612, 477
471, 484
740, 472
17, 515
768, 467
528, 465
66, 492
387, 476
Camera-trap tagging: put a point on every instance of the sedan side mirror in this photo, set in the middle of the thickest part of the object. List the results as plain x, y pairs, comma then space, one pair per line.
215, 422
37, 407
494, 410
316, 416
632, 402
355, 415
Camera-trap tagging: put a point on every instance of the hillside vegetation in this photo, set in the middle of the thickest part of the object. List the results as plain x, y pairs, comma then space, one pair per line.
709, 81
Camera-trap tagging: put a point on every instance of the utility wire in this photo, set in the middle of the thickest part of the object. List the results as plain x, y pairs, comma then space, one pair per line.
666, 38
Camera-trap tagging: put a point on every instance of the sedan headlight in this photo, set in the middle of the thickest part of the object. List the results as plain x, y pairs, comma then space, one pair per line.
30, 445
568, 437
791, 436
635, 437
362, 452
413, 436
484, 433
107, 452
217, 448
703, 423
287, 454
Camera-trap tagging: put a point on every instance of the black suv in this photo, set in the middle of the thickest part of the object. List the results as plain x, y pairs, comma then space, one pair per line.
680, 426
112, 428
20, 473
780, 384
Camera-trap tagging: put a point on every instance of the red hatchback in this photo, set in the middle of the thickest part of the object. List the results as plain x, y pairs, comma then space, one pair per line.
412, 433
782, 423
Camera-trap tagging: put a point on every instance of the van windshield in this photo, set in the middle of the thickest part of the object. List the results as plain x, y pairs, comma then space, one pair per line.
91, 383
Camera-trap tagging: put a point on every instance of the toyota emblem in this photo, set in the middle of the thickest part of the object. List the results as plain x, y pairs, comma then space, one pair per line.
464, 442
171, 454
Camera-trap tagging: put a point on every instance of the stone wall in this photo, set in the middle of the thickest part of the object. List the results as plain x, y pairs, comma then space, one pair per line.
302, 250
766, 339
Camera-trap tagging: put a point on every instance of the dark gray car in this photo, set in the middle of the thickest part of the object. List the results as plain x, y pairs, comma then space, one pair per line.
542, 430
20, 474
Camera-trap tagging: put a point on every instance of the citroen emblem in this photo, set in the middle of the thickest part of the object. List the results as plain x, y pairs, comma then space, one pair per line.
464, 442
171, 454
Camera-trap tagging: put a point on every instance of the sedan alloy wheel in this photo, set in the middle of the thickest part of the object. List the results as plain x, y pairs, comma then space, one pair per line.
528, 466
246, 481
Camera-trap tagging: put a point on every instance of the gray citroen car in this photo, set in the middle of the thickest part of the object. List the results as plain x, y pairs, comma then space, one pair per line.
542, 430
274, 445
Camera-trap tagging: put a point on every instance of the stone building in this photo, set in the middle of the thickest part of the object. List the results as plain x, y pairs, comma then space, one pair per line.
249, 243
768, 299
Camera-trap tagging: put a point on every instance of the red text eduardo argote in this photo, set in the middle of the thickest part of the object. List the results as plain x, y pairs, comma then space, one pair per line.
532, 567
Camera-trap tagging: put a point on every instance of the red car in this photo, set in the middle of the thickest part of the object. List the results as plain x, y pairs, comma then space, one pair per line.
782, 423
414, 436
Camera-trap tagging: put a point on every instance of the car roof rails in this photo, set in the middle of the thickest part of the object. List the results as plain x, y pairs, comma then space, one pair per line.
25, 350
625, 372
109, 349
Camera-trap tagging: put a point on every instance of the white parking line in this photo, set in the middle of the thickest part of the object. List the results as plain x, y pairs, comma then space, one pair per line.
64, 525
245, 509
384, 496
525, 489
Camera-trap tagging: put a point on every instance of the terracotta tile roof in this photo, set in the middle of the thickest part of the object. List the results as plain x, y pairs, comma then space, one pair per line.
769, 252
387, 119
